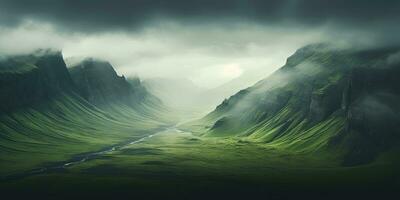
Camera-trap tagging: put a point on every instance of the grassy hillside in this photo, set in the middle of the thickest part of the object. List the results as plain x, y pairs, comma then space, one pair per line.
65, 126
45, 118
323, 100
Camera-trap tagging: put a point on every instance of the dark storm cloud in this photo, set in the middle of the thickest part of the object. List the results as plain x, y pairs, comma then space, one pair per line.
207, 41
103, 15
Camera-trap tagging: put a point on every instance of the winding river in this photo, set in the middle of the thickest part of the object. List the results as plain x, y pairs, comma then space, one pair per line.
81, 158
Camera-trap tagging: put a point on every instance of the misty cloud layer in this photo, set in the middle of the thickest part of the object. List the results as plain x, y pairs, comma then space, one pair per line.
94, 15
209, 42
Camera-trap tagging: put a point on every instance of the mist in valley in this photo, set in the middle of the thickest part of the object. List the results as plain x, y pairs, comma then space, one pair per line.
199, 98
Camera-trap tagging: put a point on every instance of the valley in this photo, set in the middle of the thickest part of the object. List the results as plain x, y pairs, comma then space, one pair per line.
327, 121
175, 163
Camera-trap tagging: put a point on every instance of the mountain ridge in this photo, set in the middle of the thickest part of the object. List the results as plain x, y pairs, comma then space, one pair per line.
98, 83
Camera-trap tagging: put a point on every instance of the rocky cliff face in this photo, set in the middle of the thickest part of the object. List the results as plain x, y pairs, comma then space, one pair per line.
371, 104
323, 97
30, 79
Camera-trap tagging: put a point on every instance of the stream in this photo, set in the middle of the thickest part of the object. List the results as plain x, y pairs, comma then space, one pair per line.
81, 158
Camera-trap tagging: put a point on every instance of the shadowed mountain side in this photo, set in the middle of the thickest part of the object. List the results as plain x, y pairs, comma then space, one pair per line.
48, 117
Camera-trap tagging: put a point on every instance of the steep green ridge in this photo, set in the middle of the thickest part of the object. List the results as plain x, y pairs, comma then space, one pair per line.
46, 118
98, 83
324, 99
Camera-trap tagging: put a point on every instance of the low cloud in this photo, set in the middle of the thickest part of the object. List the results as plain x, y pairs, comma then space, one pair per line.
29, 37
193, 39
209, 55
393, 59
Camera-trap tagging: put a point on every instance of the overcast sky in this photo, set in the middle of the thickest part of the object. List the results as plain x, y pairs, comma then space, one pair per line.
207, 41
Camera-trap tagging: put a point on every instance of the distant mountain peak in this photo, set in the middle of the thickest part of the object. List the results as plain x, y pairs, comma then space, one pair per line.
99, 83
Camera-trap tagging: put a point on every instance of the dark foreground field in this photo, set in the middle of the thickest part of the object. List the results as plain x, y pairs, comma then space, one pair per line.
176, 164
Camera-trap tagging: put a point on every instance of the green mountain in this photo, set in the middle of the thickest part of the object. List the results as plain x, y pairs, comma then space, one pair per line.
324, 99
98, 83
50, 113
94, 132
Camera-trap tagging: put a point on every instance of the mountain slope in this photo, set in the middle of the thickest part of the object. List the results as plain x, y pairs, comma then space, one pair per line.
323, 99
47, 117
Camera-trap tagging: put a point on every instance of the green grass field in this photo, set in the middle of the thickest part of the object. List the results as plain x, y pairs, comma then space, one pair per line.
176, 163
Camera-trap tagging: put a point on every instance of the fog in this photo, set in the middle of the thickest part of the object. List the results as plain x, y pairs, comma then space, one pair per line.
208, 55
213, 44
